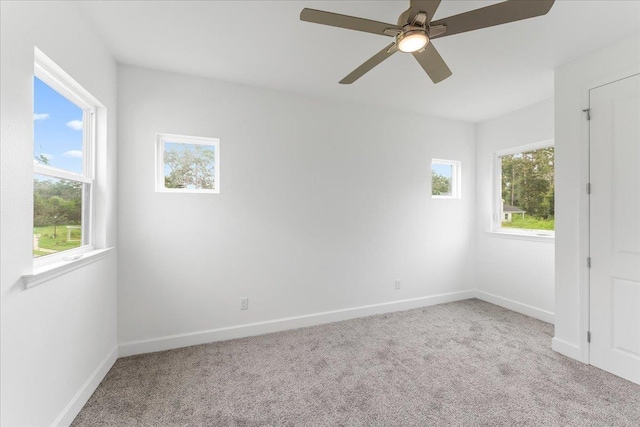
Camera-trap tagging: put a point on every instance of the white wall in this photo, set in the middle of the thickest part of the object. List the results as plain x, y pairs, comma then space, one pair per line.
512, 271
57, 335
322, 206
572, 84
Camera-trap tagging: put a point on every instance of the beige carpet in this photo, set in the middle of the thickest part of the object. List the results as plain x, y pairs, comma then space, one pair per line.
467, 363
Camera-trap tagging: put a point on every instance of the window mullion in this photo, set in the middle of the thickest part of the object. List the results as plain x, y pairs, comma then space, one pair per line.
59, 173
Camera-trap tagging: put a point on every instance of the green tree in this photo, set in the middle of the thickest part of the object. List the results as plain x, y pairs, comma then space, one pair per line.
190, 166
56, 201
527, 182
440, 184
42, 159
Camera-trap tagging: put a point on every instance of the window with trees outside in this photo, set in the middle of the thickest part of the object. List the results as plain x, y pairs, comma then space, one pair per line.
525, 194
445, 179
187, 164
63, 123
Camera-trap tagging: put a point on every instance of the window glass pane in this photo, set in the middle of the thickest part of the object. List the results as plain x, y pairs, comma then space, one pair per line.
527, 190
57, 129
190, 166
441, 178
57, 215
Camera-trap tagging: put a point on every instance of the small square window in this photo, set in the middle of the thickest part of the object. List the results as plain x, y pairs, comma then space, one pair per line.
187, 164
445, 179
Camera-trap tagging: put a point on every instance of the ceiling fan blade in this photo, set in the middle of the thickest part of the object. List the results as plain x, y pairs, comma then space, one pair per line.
432, 63
501, 13
345, 21
370, 64
427, 6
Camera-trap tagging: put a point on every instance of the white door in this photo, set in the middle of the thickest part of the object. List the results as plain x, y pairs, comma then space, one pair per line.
615, 228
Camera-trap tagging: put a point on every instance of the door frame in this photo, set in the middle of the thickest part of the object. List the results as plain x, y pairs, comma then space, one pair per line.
585, 209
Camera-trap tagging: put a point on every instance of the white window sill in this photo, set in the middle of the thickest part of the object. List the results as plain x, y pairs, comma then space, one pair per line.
531, 236
48, 272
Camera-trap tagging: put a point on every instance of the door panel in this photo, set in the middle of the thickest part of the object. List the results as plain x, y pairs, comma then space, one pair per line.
626, 204
615, 228
626, 300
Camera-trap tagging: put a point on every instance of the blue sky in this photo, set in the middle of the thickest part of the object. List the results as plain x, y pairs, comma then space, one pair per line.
444, 170
57, 128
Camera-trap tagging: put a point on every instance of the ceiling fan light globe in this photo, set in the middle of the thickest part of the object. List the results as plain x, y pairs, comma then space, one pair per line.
412, 41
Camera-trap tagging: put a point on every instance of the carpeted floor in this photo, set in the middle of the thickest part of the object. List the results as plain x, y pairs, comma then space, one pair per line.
465, 363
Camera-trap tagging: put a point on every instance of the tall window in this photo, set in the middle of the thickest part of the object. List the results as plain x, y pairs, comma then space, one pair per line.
525, 193
63, 123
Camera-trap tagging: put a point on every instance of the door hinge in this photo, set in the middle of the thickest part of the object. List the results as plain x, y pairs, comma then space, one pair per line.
588, 111
588, 188
588, 336
589, 262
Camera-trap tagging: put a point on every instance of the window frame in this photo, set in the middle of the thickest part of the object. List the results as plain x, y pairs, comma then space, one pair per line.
496, 222
162, 139
456, 178
50, 74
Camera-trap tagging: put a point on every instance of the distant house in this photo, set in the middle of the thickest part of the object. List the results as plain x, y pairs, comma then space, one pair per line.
508, 211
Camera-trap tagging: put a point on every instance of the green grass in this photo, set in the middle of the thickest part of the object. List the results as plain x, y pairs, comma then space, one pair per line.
59, 242
529, 222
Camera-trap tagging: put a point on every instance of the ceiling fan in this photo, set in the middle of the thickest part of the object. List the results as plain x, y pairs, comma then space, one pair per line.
415, 30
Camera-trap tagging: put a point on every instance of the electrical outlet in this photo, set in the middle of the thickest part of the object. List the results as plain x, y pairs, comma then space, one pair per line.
397, 284
244, 303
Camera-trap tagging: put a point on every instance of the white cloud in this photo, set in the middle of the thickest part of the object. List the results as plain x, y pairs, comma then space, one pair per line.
72, 153
40, 116
75, 124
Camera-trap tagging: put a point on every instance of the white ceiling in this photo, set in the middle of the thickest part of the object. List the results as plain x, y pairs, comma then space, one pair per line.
264, 43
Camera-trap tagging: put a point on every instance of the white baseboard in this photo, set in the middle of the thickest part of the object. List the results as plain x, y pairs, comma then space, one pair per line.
567, 349
69, 413
221, 334
538, 313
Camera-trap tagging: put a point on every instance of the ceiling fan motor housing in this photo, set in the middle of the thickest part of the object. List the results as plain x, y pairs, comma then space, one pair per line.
412, 39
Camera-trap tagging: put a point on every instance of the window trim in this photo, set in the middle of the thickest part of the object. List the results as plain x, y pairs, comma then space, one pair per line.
57, 79
162, 138
496, 221
50, 271
456, 178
